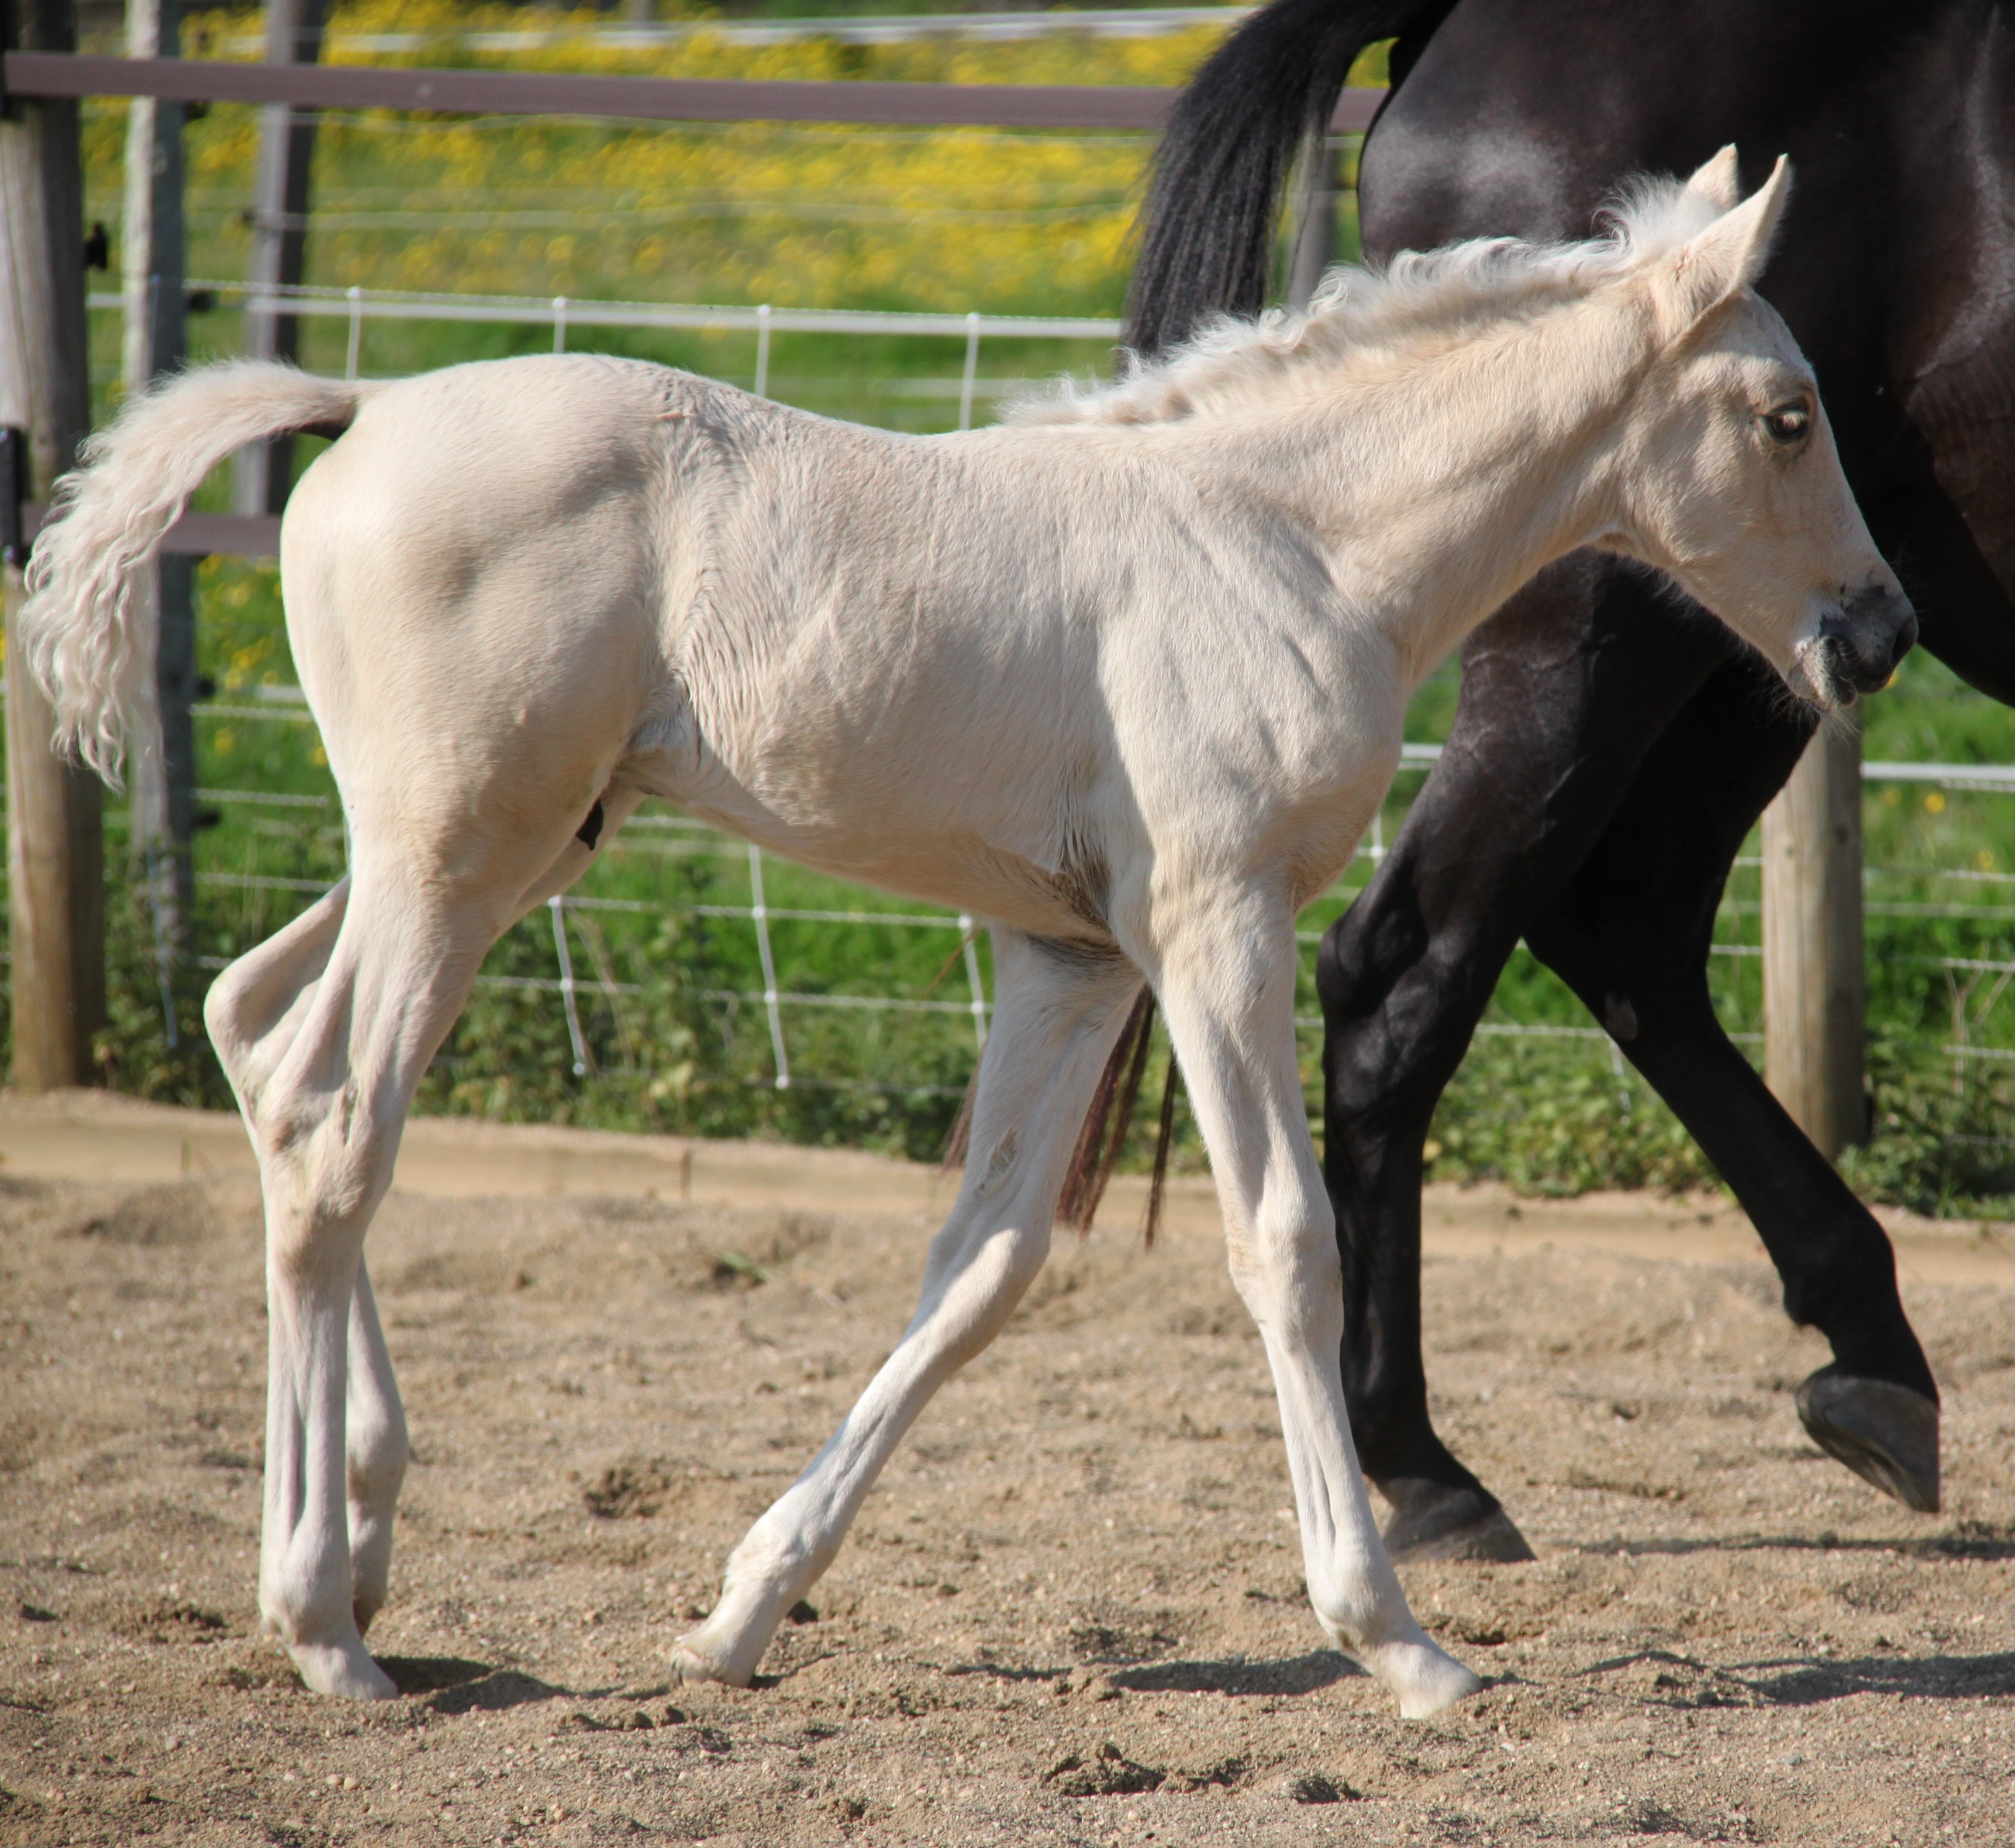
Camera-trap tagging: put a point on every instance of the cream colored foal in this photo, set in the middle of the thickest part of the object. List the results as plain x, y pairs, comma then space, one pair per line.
1126, 677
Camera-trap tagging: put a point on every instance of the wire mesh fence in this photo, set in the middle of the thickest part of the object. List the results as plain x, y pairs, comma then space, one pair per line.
691, 981
678, 858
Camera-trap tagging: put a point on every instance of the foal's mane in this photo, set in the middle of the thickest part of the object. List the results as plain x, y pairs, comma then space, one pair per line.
1418, 295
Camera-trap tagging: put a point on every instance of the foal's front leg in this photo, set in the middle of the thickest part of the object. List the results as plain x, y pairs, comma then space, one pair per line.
377, 1450
1058, 1014
1226, 971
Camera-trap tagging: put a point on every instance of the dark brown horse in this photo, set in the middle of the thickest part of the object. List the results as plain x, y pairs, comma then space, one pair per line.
1610, 752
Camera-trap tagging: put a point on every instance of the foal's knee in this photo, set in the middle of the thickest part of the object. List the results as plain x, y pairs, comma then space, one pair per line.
1286, 1266
977, 1273
1013, 1257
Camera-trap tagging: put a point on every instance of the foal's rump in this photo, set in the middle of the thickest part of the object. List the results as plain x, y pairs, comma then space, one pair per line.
474, 592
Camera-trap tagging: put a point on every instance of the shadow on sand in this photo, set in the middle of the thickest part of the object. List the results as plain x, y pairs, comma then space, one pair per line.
1924, 1678
1298, 1675
458, 1686
1669, 1679
1989, 1544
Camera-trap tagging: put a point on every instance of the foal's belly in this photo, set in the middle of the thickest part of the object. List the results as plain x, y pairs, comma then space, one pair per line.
964, 817
958, 870
1025, 810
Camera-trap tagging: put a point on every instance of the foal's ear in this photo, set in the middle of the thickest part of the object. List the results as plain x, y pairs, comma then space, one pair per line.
1717, 180
1729, 255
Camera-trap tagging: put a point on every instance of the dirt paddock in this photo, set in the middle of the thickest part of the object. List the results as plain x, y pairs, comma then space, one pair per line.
1071, 1612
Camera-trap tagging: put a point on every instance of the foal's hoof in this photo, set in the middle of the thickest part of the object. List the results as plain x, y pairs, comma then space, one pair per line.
691, 1663
343, 1670
1423, 1678
1885, 1432
1433, 1521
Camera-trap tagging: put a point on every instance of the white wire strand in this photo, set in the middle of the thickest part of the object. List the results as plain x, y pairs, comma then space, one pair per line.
979, 1002
972, 371
759, 913
354, 354
557, 905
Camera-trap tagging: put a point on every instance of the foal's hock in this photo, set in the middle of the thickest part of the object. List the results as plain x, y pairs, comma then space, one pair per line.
1126, 677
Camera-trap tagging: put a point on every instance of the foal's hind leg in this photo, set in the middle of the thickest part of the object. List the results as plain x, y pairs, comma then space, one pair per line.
374, 1421
247, 1008
1058, 1014
1226, 979
326, 1031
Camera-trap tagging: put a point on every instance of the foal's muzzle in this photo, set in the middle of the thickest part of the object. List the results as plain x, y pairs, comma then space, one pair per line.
1861, 640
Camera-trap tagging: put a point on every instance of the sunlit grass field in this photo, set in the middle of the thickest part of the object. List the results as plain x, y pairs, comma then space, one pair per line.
674, 1033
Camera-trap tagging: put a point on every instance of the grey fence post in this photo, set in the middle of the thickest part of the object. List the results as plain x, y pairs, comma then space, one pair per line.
1315, 235
279, 239
156, 342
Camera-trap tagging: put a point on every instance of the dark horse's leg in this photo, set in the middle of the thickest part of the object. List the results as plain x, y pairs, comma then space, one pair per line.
1562, 691
1629, 934
1549, 816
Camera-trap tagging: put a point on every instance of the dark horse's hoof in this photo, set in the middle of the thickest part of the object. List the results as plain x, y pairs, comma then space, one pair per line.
1433, 1521
1881, 1431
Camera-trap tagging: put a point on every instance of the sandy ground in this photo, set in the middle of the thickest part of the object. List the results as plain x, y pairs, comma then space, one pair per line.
1072, 1612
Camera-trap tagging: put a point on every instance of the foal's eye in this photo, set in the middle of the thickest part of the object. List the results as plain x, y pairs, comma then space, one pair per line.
1788, 424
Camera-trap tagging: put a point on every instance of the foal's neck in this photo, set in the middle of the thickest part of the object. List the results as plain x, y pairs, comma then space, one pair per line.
1435, 484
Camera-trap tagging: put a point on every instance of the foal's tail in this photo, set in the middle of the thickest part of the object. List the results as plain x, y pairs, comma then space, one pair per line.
87, 635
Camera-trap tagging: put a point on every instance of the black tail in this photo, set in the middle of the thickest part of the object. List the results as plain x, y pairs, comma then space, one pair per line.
1097, 1154
1206, 235
1207, 232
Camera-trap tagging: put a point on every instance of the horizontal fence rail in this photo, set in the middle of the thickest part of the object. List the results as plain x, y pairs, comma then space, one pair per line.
573, 311
902, 28
436, 90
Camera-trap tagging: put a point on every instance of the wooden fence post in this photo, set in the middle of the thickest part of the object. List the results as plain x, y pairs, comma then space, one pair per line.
1815, 984
279, 239
55, 892
164, 780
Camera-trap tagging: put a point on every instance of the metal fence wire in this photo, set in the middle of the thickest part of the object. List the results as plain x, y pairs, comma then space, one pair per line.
815, 977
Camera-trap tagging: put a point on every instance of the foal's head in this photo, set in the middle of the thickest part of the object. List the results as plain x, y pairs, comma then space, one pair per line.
1725, 476
1734, 486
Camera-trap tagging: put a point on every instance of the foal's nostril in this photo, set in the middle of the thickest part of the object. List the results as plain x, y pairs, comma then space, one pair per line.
1865, 636
1905, 640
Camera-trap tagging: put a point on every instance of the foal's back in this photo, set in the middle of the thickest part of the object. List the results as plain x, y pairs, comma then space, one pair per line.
910, 660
